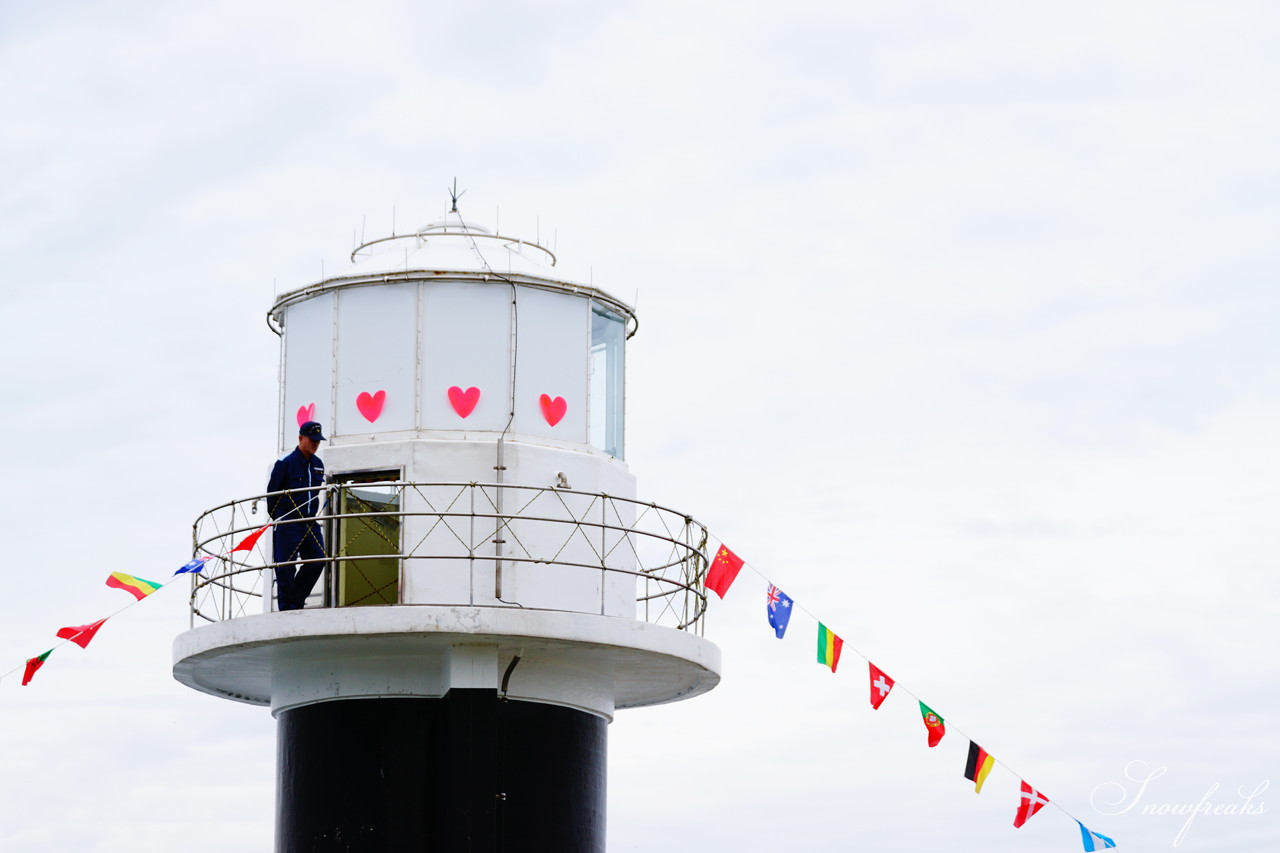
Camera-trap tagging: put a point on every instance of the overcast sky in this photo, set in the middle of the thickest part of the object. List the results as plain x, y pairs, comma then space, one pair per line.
959, 324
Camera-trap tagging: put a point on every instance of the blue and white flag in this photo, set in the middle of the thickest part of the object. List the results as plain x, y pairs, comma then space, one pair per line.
196, 566
1094, 840
779, 610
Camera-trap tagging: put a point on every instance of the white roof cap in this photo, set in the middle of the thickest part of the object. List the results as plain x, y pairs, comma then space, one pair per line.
453, 244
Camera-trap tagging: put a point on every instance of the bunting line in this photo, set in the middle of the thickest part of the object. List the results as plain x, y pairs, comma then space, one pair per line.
138, 587
1102, 840
721, 575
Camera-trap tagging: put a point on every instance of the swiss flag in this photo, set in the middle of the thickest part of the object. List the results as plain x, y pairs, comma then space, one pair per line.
881, 684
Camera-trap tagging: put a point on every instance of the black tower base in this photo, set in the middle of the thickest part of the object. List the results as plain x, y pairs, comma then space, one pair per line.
463, 773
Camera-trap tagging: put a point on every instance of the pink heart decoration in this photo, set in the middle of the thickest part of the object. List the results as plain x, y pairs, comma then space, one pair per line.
306, 413
464, 402
553, 410
370, 405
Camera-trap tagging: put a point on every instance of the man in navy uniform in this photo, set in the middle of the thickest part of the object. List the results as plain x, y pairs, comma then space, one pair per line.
296, 539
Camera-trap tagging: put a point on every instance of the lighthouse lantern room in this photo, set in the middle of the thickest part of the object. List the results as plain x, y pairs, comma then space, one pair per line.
490, 590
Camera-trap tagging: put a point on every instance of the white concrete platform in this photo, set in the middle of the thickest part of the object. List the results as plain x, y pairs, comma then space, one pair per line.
594, 663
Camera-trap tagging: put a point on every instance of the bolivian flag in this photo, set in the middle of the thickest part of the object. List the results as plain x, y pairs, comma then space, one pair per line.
139, 588
829, 646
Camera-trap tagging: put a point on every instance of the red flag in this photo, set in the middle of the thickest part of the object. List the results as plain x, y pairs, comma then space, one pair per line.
724, 568
881, 684
81, 634
249, 541
1032, 802
32, 665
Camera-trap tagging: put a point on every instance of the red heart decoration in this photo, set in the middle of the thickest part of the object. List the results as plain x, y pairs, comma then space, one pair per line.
464, 402
306, 413
553, 410
370, 405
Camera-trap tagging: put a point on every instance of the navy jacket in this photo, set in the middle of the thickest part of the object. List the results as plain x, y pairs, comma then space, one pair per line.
295, 471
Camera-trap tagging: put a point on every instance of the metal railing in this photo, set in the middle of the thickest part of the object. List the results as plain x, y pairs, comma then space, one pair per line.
551, 548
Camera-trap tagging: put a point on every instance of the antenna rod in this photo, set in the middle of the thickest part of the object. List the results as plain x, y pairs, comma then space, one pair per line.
454, 195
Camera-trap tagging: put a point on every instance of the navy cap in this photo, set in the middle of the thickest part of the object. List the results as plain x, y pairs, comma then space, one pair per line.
311, 429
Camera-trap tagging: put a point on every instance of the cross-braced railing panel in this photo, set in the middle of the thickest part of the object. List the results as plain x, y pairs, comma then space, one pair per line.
494, 545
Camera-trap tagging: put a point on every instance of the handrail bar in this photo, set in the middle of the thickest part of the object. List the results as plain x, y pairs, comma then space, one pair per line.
615, 529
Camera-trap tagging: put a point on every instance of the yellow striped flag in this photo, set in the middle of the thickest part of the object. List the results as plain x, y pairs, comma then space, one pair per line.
139, 588
829, 646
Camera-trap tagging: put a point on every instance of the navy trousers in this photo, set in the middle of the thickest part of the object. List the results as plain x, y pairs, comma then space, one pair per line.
294, 581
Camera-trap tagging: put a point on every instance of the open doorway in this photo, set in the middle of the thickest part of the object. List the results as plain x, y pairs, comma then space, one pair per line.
367, 538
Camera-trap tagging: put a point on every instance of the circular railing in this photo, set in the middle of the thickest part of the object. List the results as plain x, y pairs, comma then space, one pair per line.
522, 546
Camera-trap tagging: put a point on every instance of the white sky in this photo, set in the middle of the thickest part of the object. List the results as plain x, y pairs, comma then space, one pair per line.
958, 324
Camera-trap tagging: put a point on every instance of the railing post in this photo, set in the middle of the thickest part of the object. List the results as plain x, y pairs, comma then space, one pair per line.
604, 553
498, 542
471, 548
330, 596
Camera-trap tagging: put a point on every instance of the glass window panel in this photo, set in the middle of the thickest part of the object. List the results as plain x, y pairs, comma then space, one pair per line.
608, 334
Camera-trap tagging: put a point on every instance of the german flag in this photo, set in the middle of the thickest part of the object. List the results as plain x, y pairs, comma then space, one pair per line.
978, 766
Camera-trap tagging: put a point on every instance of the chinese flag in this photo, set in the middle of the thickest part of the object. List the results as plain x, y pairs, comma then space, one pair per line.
724, 569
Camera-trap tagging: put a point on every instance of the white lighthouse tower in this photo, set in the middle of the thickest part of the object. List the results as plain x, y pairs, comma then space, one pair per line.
493, 591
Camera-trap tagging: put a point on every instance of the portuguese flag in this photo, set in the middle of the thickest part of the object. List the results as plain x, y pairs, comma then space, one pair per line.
829, 646
978, 766
936, 725
139, 588
32, 665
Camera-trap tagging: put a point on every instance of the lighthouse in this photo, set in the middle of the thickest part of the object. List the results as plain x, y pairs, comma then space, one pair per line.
492, 590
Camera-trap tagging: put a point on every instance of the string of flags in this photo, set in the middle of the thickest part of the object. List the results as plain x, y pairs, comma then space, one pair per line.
137, 587
724, 570
721, 574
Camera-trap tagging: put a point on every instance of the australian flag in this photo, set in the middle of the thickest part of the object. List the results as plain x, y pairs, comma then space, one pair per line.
779, 610
195, 566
